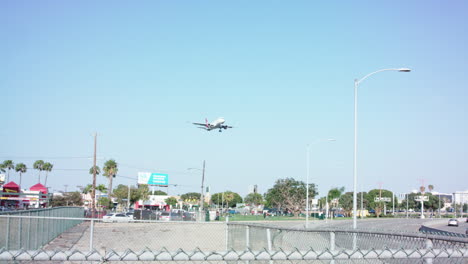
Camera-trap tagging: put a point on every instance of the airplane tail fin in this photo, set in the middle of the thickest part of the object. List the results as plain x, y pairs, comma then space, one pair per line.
206, 123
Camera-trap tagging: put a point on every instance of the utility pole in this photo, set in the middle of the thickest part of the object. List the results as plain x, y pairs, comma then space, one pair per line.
202, 182
94, 178
362, 203
128, 198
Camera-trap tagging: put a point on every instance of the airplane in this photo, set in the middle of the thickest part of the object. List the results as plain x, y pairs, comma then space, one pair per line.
217, 124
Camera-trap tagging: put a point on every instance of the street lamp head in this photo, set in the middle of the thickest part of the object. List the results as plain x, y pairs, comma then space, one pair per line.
404, 70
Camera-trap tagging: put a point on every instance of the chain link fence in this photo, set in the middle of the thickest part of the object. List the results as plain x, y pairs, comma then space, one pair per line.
32, 229
64, 236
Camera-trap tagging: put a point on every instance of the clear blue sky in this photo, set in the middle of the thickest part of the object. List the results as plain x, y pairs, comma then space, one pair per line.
281, 72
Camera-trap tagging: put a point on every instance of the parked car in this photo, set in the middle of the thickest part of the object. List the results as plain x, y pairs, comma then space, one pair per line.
187, 216
165, 216
145, 215
116, 217
170, 216
453, 222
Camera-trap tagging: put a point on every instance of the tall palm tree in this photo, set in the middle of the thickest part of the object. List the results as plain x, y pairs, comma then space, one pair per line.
98, 170
21, 168
430, 187
110, 170
9, 165
48, 168
422, 189
39, 165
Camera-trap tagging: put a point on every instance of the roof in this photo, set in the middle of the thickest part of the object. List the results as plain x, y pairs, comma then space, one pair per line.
11, 184
38, 187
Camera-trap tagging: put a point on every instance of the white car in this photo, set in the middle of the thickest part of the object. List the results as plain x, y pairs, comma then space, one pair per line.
116, 217
453, 222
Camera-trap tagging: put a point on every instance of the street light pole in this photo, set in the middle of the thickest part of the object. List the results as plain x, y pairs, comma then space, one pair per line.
202, 198
356, 85
307, 187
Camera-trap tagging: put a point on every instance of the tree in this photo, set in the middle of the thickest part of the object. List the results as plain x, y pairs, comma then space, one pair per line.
39, 165
101, 188
87, 189
98, 170
379, 205
254, 199
9, 165
191, 198
47, 168
21, 168
172, 201
346, 201
106, 202
68, 199
430, 187
289, 194
110, 171
231, 199
335, 193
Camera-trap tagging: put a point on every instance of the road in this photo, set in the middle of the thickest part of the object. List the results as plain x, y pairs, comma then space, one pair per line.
400, 225
212, 236
461, 228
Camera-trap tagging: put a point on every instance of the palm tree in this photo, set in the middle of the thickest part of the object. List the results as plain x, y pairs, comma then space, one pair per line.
87, 189
9, 165
101, 188
21, 168
110, 170
48, 168
91, 170
422, 189
39, 165
430, 187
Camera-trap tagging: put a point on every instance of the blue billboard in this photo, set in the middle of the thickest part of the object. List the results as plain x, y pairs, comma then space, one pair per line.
155, 179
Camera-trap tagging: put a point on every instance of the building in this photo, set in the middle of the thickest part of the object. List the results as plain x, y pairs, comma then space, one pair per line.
460, 197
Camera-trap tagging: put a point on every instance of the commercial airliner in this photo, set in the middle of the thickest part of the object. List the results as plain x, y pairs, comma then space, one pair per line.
217, 124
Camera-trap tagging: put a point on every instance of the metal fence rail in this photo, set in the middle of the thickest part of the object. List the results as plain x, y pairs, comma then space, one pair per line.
32, 229
256, 237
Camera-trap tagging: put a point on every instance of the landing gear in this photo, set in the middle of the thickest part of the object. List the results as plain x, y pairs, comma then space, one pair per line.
220, 130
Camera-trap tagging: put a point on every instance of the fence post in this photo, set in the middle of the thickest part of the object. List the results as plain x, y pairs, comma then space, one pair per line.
332, 240
20, 231
7, 241
354, 241
268, 232
429, 246
247, 237
36, 234
91, 235
28, 244
332, 245
227, 232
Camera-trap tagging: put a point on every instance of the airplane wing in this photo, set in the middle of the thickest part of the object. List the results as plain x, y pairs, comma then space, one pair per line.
199, 124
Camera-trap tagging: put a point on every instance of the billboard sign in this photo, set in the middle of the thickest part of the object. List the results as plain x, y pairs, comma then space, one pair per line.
154, 179
382, 199
421, 198
2, 177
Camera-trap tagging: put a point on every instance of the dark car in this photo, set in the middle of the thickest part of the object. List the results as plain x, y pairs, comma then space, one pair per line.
144, 215
187, 216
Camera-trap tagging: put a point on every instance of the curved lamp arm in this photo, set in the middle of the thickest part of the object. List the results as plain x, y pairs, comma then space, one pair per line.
372, 73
